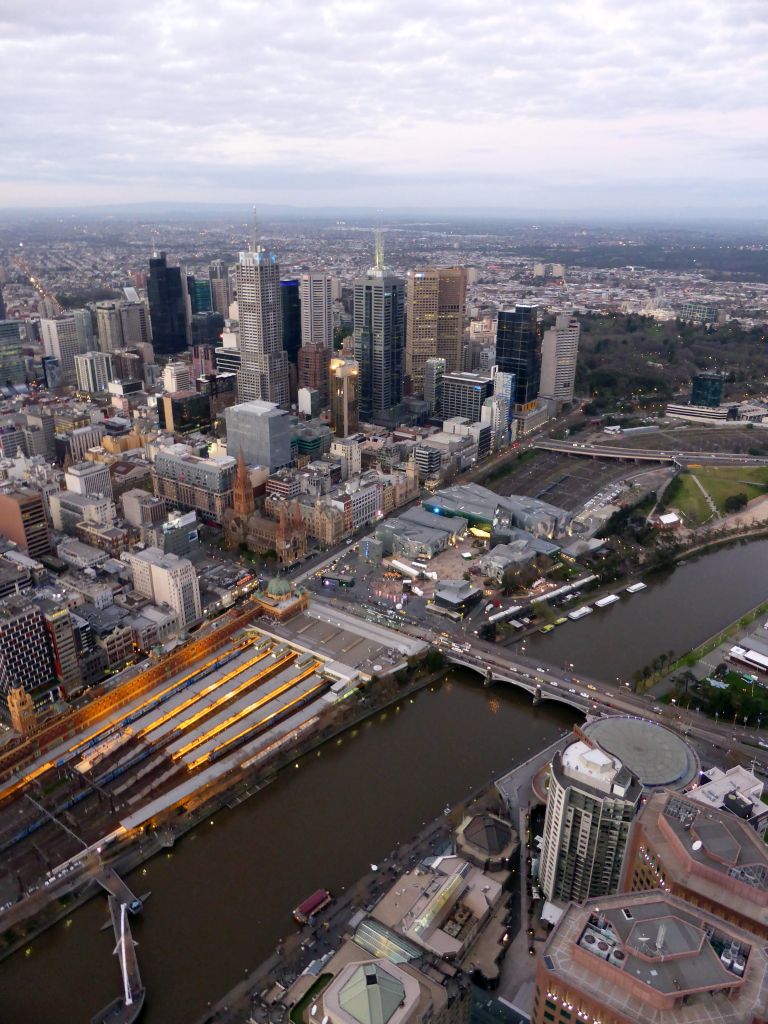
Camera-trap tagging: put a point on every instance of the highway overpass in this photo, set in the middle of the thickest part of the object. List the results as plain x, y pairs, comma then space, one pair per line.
607, 451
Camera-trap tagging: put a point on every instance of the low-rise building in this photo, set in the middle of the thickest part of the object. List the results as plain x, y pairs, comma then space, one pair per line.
649, 958
705, 855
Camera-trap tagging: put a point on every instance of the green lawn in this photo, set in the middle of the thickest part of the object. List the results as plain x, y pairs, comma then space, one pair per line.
721, 483
311, 994
690, 502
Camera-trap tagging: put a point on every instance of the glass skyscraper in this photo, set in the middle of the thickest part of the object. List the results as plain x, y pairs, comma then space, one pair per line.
518, 351
167, 306
379, 334
290, 309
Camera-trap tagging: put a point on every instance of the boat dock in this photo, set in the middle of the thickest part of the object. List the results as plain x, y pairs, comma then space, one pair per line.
579, 613
127, 1007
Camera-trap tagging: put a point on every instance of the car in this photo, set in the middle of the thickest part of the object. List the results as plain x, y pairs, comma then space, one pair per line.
571, 689
591, 687
657, 710
553, 683
584, 693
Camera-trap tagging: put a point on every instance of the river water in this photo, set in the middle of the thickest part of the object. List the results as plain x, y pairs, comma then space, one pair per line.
223, 896
677, 612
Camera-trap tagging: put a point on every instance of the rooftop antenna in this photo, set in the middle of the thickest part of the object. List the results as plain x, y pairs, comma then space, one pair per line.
379, 249
254, 244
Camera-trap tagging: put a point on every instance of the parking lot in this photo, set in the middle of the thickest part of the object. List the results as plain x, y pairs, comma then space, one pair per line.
561, 480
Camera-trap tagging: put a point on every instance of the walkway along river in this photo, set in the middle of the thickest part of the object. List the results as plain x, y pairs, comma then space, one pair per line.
223, 896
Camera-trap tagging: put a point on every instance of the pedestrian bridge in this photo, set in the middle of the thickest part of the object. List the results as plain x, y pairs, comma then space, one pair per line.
494, 673
127, 1007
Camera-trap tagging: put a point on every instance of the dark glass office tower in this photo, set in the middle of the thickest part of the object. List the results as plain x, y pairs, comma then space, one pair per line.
200, 294
290, 306
167, 306
518, 351
379, 333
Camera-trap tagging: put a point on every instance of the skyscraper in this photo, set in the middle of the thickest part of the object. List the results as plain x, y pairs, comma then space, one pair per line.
200, 294
379, 335
93, 371
167, 305
344, 398
313, 370
218, 275
434, 373
559, 350
263, 371
65, 337
518, 351
316, 310
290, 308
591, 802
11, 359
437, 302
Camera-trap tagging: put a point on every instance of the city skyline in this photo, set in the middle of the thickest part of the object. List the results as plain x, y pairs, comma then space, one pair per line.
616, 118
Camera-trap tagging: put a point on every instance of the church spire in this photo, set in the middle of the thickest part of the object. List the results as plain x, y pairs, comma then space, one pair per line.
243, 501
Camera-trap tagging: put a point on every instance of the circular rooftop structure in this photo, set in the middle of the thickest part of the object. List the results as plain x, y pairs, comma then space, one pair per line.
657, 756
278, 587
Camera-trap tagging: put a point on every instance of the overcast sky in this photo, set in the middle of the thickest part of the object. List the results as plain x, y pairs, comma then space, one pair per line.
648, 106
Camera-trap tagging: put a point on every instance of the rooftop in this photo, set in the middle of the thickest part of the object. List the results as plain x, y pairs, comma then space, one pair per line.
657, 756
652, 957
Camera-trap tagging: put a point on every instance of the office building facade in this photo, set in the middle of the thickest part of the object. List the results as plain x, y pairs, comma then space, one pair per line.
313, 370
25, 653
434, 374
290, 312
463, 394
559, 354
23, 520
263, 374
437, 304
316, 310
344, 397
221, 296
379, 325
707, 389
65, 337
167, 305
187, 481
93, 371
261, 432
167, 579
518, 352
12, 368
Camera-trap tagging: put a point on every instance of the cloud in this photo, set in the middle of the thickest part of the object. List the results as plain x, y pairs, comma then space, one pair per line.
305, 100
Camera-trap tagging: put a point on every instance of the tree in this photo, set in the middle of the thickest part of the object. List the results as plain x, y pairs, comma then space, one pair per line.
735, 502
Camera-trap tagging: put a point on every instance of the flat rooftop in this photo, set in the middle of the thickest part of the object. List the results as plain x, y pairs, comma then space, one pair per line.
639, 954
732, 856
657, 756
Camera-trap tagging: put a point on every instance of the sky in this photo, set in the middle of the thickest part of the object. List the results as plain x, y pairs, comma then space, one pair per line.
653, 107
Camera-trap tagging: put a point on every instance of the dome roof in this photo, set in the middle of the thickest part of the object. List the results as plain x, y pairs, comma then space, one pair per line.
278, 587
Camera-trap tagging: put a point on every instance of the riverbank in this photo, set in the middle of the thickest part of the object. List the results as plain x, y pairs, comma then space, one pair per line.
135, 851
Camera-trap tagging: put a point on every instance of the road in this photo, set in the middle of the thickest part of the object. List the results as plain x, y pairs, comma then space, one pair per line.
605, 451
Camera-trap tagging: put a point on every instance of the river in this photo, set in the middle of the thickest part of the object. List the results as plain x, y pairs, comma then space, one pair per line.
223, 896
677, 612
